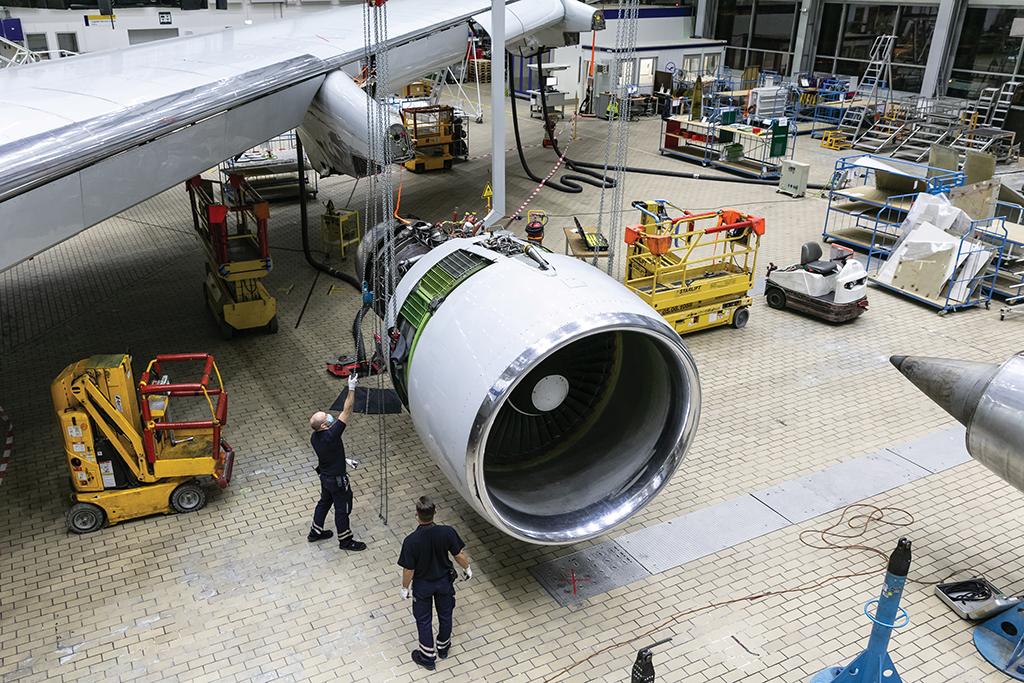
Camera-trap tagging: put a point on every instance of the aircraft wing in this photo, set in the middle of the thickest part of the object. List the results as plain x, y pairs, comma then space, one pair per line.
84, 138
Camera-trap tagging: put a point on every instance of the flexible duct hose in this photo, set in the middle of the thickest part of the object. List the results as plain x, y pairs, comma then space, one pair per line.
304, 222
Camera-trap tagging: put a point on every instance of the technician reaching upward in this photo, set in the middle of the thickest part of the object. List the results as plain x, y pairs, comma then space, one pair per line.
334, 485
425, 564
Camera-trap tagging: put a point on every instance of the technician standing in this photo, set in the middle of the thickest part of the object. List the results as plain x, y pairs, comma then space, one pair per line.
334, 485
426, 566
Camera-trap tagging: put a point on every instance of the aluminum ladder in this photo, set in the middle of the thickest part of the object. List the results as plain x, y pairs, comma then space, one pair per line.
878, 74
1002, 104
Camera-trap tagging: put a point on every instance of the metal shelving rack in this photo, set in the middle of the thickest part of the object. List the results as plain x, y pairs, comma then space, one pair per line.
705, 142
961, 290
867, 218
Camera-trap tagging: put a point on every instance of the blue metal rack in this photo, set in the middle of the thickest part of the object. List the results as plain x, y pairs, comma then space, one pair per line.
867, 218
962, 289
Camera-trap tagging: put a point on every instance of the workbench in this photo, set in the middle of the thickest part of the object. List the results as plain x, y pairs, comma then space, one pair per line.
575, 246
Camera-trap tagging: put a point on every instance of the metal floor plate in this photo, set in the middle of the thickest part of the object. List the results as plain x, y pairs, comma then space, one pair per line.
700, 533
937, 451
838, 486
572, 579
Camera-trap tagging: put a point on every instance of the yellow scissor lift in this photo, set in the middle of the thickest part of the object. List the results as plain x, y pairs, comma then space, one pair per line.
234, 234
695, 269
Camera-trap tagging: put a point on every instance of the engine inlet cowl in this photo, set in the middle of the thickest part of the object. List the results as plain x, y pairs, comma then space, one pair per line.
556, 402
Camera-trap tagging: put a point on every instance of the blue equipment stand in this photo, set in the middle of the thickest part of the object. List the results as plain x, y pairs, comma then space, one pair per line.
874, 665
1000, 640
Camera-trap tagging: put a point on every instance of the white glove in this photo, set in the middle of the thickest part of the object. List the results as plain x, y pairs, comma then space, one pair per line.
468, 575
352, 464
406, 594
353, 380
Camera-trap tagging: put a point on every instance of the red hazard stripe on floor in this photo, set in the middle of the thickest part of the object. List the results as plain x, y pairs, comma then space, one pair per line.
7, 429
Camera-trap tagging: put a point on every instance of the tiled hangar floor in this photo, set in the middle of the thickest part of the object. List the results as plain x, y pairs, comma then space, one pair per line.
234, 592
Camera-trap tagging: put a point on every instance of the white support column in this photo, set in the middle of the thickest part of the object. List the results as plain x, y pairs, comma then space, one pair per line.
806, 19
497, 113
701, 25
943, 39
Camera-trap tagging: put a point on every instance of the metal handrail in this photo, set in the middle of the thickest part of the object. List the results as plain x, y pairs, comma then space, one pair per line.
22, 55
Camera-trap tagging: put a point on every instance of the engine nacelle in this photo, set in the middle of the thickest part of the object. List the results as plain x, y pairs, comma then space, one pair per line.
334, 131
553, 399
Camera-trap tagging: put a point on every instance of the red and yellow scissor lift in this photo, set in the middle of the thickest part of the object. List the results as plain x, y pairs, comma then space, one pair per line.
695, 269
234, 235
127, 458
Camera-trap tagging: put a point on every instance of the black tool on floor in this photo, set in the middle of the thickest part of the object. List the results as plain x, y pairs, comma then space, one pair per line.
643, 667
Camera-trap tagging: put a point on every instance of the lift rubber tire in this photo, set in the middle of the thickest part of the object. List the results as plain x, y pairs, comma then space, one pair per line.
188, 497
85, 518
775, 297
740, 317
272, 326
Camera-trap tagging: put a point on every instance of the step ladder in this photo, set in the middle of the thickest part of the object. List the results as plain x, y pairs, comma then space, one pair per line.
878, 74
881, 135
835, 139
853, 119
1002, 104
978, 113
917, 145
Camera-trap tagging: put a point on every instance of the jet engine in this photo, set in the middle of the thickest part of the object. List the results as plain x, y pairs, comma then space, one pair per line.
554, 400
334, 131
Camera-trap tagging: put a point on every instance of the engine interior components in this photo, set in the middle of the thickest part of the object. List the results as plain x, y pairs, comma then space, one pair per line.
986, 398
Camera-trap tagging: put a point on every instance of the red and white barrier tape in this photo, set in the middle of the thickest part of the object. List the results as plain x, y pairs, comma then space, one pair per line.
558, 165
8, 443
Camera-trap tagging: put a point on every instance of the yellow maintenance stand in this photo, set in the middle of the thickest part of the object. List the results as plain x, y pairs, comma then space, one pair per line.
127, 458
695, 269
432, 130
233, 231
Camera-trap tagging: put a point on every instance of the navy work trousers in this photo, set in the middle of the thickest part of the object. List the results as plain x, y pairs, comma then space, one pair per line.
334, 490
426, 595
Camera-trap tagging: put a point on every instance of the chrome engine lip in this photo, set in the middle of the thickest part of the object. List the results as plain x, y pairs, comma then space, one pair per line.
501, 389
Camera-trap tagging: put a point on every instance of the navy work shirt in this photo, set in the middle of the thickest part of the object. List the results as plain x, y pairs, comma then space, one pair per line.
426, 550
330, 451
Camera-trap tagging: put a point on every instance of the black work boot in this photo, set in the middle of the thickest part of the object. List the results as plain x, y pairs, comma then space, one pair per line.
351, 544
314, 536
422, 660
442, 652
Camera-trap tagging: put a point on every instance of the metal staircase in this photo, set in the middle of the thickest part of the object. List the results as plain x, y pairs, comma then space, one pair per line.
931, 131
882, 135
14, 54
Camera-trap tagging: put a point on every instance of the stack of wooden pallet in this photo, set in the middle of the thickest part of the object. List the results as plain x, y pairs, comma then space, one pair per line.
478, 71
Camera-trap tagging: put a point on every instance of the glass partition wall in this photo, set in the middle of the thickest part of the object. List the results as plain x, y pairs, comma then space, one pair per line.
848, 30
